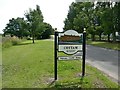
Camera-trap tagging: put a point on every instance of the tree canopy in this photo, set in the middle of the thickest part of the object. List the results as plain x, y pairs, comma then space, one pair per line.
32, 25
98, 18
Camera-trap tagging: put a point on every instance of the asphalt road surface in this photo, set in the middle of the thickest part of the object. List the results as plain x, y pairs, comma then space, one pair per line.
104, 59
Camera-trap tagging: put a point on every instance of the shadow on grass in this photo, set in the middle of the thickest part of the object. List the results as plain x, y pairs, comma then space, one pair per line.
68, 84
23, 44
51, 84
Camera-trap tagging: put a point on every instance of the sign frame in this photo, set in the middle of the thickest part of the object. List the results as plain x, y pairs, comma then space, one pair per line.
69, 43
56, 48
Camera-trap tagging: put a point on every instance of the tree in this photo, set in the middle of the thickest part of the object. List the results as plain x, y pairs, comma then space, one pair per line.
35, 21
98, 18
107, 19
70, 17
48, 30
81, 22
33, 26
99, 31
116, 19
79, 16
22, 27
10, 27
16, 27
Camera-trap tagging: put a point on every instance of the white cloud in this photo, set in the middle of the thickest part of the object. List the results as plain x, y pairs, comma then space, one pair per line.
54, 11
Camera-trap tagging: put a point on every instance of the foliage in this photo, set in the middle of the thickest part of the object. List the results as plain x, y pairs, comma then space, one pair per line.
48, 30
35, 21
98, 18
78, 16
16, 27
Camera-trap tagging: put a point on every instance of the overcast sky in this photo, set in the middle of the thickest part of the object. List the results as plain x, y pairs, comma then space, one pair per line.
54, 11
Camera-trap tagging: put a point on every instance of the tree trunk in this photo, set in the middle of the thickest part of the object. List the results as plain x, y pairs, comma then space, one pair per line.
21, 37
100, 37
114, 36
108, 37
33, 38
93, 37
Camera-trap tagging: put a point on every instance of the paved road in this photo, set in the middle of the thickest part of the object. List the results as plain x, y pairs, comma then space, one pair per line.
105, 60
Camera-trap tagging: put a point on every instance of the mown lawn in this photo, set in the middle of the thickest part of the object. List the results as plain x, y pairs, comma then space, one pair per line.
110, 45
30, 65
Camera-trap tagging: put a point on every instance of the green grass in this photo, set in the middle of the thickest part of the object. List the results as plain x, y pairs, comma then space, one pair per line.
30, 65
110, 45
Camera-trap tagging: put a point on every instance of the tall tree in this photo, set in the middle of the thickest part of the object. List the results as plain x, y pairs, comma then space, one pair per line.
107, 18
79, 16
98, 18
35, 21
70, 17
116, 19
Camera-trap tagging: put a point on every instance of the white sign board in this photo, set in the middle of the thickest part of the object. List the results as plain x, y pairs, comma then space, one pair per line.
70, 49
70, 58
70, 42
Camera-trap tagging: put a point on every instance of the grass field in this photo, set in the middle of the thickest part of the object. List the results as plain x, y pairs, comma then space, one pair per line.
110, 45
30, 65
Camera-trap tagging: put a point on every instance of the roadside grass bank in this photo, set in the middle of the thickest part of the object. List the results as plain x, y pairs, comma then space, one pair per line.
10, 41
28, 65
109, 45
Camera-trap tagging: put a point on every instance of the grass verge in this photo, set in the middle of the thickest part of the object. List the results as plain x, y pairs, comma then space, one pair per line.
10, 41
110, 45
30, 65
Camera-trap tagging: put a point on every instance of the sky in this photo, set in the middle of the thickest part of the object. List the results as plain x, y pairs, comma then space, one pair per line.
54, 11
